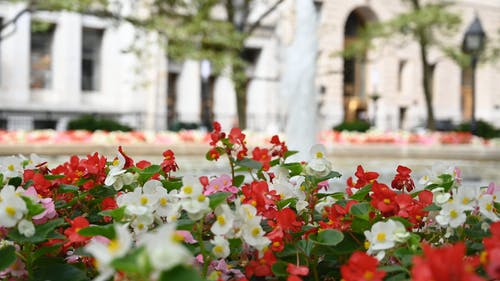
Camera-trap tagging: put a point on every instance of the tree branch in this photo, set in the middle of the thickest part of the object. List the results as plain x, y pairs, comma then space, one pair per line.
257, 23
13, 21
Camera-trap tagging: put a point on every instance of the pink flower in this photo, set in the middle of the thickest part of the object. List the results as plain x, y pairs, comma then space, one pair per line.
222, 183
47, 204
188, 237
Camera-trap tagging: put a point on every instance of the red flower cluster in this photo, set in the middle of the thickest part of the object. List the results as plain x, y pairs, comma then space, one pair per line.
490, 257
444, 264
364, 178
403, 179
338, 216
168, 164
85, 173
74, 238
279, 148
296, 271
41, 184
261, 267
362, 267
234, 143
258, 195
262, 156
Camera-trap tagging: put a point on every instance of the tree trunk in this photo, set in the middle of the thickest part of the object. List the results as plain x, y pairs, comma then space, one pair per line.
240, 81
426, 83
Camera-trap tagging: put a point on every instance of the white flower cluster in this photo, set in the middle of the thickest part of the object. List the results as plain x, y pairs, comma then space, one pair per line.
384, 236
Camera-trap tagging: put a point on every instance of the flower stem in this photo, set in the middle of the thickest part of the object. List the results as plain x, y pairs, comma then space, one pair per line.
203, 250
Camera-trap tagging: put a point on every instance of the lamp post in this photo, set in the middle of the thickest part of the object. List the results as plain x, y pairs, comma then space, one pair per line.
205, 71
473, 44
375, 97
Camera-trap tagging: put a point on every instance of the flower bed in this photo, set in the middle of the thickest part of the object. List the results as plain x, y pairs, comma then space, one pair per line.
254, 138
267, 218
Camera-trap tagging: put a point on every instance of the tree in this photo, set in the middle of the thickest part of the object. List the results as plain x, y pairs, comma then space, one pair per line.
189, 29
429, 24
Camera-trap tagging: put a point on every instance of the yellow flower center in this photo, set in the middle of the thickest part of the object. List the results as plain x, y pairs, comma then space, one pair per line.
221, 220
367, 244
114, 245
116, 162
255, 231
319, 154
276, 244
483, 257
381, 237
177, 237
453, 214
465, 200
163, 201
218, 249
187, 189
216, 187
144, 200
489, 207
303, 188
368, 275
10, 211
11, 167
140, 226
201, 198
387, 201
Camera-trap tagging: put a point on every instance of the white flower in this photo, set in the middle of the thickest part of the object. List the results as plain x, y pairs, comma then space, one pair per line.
301, 205
142, 223
253, 234
486, 207
324, 202
12, 207
384, 235
26, 228
437, 169
451, 214
221, 247
106, 251
318, 165
466, 196
440, 197
224, 220
168, 202
191, 187
164, 248
137, 202
11, 167
115, 170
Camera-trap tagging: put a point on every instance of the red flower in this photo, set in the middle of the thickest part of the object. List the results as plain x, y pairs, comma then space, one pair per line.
403, 179
338, 216
279, 148
169, 165
108, 203
364, 178
490, 258
361, 267
41, 184
262, 156
236, 136
295, 271
384, 199
72, 232
262, 266
455, 268
213, 154
129, 162
257, 194
143, 164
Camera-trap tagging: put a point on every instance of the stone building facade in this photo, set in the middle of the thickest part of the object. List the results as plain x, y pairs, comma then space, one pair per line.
81, 65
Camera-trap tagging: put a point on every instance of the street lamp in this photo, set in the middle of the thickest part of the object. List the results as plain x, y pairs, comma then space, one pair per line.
206, 108
473, 44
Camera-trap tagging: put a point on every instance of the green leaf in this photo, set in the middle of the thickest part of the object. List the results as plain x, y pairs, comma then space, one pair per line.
328, 237
359, 225
107, 230
148, 172
432, 207
361, 194
332, 174
238, 180
361, 210
279, 268
42, 232
172, 185
181, 273
136, 261
404, 221
393, 268
249, 163
218, 198
53, 177
57, 270
295, 168
290, 153
283, 203
398, 277
117, 214
33, 208
8, 254
15, 181
68, 188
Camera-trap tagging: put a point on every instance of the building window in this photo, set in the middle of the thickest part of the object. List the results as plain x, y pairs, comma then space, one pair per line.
42, 36
401, 69
91, 59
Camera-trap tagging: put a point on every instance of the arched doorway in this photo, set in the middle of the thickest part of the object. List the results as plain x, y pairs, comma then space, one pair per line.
355, 68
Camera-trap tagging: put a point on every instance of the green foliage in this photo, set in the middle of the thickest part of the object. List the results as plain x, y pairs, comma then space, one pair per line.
353, 126
8, 254
91, 123
177, 126
483, 129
